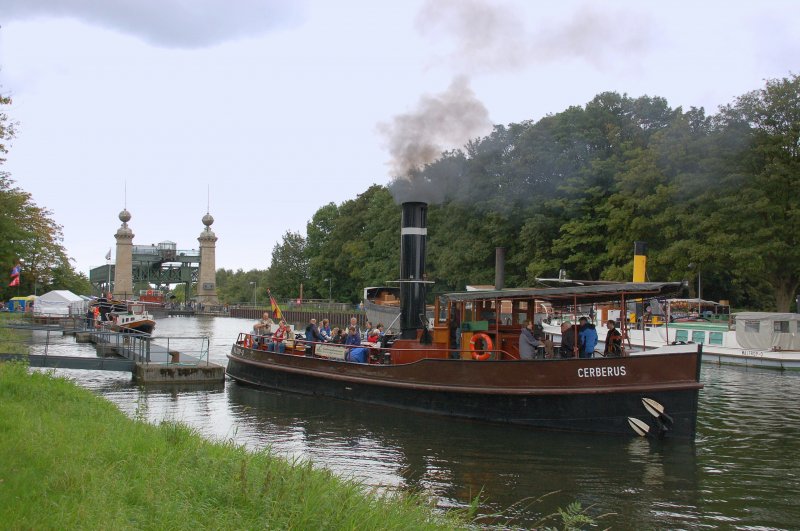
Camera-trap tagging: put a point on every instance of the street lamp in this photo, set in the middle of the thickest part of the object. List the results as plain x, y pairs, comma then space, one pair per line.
329, 290
255, 290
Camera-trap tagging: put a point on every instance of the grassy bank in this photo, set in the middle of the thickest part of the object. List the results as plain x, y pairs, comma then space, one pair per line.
73, 460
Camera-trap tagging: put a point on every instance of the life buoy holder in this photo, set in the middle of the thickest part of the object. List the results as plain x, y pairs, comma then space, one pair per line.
481, 355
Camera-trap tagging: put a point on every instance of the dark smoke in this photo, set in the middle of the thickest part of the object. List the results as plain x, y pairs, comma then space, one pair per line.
440, 121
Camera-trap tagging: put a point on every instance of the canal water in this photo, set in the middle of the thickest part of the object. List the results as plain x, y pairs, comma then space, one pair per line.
741, 472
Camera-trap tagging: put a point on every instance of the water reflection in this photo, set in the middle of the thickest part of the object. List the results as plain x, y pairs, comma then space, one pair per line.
741, 472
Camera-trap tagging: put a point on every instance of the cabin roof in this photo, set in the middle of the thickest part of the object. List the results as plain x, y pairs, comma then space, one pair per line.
569, 294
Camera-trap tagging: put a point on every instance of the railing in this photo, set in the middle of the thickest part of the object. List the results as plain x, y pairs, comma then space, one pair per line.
143, 348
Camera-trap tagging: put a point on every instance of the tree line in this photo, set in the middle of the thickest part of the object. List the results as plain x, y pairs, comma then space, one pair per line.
715, 196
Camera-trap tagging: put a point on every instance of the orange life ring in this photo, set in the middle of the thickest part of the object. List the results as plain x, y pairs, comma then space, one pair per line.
477, 354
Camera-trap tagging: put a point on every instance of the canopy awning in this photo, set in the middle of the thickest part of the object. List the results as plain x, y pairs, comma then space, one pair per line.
570, 294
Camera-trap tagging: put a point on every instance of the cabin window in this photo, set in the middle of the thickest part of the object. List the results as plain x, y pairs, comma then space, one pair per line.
682, 335
520, 311
715, 338
698, 336
442, 316
752, 326
781, 327
468, 313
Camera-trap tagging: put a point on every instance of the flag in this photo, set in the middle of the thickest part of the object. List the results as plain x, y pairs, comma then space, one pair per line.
14, 282
276, 311
108, 254
15, 271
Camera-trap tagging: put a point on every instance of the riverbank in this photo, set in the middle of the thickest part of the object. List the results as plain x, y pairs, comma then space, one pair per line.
73, 460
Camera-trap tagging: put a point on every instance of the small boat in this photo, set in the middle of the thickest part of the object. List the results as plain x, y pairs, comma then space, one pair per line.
133, 319
467, 363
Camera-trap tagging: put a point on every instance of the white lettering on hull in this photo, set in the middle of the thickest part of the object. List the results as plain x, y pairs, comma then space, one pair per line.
602, 372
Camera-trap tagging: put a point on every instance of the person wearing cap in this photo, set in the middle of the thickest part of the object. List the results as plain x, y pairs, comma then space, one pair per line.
587, 334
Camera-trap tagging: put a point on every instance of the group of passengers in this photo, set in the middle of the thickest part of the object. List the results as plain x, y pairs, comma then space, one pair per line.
275, 338
577, 341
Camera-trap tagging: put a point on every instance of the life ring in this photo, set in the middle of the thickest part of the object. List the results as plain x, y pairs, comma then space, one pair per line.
477, 354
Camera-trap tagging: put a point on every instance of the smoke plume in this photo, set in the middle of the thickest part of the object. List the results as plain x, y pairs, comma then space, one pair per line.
439, 122
491, 36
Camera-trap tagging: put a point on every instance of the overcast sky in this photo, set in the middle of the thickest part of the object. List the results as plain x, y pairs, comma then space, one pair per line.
281, 107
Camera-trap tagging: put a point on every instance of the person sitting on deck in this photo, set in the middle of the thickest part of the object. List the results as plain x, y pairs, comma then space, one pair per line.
337, 337
568, 334
613, 340
325, 330
588, 338
353, 339
277, 343
528, 344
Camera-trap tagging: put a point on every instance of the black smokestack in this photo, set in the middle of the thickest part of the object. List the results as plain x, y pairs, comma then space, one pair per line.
499, 267
413, 233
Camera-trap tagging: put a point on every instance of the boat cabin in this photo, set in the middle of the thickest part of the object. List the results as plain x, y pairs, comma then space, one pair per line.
500, 315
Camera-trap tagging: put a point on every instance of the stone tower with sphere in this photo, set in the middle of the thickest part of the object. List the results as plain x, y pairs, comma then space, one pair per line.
123, 272
207, 276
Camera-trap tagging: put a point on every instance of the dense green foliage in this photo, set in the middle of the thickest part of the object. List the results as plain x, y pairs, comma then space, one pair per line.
29, 235
79, 463
715, 196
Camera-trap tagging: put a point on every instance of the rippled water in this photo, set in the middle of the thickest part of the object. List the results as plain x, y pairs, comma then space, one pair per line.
741, 472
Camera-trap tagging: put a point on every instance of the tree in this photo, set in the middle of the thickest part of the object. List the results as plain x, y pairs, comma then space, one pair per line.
289, 266
757, 224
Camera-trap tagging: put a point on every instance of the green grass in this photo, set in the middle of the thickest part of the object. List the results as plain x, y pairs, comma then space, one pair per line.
12, 341
73, 460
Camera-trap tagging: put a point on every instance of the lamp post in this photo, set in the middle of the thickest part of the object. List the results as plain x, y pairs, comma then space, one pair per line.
330, 298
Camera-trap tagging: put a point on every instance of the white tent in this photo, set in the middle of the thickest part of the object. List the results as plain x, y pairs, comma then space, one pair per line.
59, 302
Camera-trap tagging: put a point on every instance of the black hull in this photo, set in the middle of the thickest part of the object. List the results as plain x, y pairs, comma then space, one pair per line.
604, 412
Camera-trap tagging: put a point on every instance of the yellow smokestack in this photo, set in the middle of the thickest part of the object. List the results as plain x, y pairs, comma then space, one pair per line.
639, 261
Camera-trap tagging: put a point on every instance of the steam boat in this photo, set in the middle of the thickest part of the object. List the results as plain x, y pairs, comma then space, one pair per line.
467, 363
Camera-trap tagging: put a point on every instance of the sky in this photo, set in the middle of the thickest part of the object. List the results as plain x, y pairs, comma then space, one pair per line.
262, 111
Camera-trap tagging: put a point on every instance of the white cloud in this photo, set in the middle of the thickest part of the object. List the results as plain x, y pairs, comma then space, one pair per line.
168, 23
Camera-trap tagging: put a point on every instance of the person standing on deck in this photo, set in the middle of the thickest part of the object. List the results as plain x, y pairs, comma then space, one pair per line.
312, 336
613, 340
569, 335
528, 344
263, 327
588, 338
354, 324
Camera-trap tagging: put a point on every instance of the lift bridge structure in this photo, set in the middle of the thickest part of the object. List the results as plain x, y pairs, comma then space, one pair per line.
153, 265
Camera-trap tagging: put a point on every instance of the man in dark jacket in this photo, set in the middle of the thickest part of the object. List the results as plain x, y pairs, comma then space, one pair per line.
569, 334
312, 336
